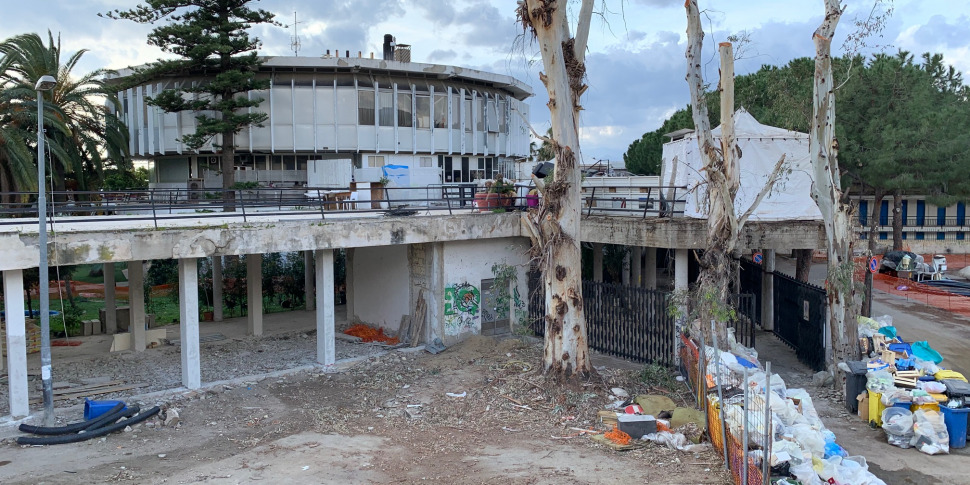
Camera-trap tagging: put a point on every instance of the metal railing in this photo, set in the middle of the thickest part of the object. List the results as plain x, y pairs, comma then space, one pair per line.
190, 203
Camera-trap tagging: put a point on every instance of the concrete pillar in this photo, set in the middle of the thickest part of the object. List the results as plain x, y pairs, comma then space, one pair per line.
597, 261
326, 351
254, 294
768, 290
436, 295
217, 288
637, 265
189, 322
110, 300
680, 269
136, 303
650, 269
308, 293
13, 299
625, 270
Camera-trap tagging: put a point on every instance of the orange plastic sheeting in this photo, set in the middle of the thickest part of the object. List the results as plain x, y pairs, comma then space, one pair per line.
371, 334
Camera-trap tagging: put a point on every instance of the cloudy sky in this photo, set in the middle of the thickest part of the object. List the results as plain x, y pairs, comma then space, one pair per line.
635, 63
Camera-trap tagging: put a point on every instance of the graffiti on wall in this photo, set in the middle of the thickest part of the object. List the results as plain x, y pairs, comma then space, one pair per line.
462, 307
518, 306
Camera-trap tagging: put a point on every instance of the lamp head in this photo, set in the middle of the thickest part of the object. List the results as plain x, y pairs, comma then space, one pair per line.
45, 83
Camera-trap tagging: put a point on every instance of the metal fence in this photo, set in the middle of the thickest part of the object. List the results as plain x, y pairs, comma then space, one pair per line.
800, 310
624, 321
750, 276
746, 316
738, 418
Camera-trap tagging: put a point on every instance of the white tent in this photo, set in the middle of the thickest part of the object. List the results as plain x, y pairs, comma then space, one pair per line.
761, 147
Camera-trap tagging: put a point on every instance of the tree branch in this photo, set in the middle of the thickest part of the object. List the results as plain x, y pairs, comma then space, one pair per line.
764, 191
582, 30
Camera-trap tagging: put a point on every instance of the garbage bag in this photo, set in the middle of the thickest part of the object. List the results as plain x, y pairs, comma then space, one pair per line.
930, 435
867, 326
888, 331
895, 395
923, 351
809, 439
805, 473
880, 381
898, 425
928, 367
758, 380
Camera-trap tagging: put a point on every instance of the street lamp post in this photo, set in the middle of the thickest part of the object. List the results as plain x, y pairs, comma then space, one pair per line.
45, 83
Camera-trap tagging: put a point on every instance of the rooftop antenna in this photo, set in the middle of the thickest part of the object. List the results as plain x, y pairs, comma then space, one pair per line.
295, 38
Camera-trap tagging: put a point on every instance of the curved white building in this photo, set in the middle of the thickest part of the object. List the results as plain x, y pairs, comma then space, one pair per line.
337, 119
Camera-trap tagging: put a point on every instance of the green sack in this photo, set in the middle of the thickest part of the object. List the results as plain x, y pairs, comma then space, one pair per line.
889, 332
923, 351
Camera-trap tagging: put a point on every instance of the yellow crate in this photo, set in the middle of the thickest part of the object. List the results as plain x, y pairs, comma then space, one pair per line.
875, 408
929, 406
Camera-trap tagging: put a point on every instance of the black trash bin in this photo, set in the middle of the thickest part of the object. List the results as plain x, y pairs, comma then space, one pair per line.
855, 383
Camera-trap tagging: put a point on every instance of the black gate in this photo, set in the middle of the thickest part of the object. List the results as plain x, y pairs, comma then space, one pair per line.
746, 315
800, 318
750, 276
626, 321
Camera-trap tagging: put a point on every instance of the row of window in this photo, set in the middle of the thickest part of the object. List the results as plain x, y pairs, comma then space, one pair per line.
477, 111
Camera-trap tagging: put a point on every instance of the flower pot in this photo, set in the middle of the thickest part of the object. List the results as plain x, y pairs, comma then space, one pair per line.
207, 316
491, 201
481, 201
532, 200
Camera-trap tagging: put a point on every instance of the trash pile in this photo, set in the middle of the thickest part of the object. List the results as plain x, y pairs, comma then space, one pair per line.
651, 417
799, 446
902, 388
371, 334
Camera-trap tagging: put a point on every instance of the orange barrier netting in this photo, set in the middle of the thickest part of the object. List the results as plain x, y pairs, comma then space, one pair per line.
918, 292
371, 334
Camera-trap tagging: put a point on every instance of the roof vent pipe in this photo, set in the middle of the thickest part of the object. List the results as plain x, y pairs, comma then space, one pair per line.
389, 47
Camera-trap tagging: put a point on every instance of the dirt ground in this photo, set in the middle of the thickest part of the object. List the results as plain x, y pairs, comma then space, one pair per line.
386, 418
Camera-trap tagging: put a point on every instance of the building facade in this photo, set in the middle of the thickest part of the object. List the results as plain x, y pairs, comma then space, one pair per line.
334, 120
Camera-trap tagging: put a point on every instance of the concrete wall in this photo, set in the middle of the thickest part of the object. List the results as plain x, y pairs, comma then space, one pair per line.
465, 265
382, 287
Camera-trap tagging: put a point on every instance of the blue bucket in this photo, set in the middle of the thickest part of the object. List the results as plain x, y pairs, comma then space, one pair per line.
93, 409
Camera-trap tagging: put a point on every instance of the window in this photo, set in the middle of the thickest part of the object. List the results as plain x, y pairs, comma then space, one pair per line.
375, 161
365, 107
404, 109
467, 108
455, 110
502, 112
387, 108
423, 114
440, 110
480, 113
492, 116
424, 162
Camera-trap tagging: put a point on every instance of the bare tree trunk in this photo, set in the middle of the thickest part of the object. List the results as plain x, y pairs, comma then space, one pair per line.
803, 264
897, 220
228, 166
827, 192
871, 251
555, 226
720, 168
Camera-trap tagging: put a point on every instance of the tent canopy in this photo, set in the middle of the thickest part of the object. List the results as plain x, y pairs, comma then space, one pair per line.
761, 147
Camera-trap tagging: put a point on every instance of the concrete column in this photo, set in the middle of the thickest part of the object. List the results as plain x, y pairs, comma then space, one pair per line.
13, 299
136, 302
625, 270
680, 269
436, 295
650, 269
254, 294
597, 261
326, 351
110, 301
217, 288
768, 290
189, 322
637, 265
308, 272
349, 282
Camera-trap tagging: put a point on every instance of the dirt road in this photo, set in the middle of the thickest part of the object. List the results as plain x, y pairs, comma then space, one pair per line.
387, 419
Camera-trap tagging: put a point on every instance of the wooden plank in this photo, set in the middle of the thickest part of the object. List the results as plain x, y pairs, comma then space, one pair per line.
94, 392
87, 387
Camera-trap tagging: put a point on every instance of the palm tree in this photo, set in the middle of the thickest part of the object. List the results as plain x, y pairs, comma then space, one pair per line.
82, 130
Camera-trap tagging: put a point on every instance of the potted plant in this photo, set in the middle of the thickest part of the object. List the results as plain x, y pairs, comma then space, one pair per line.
505, 189
483, 201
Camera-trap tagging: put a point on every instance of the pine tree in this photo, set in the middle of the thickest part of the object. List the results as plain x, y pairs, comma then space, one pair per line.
211, 38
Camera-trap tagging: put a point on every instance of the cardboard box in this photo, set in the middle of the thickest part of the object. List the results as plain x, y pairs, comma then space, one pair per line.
863, 399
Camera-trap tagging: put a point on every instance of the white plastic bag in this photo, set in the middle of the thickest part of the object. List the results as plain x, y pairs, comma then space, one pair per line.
805, 473
898, 424
880, 381
932, 386
929, 433
809, 439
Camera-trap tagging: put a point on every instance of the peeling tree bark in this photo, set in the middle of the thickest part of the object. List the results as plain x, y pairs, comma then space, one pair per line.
827, 192
555, 226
